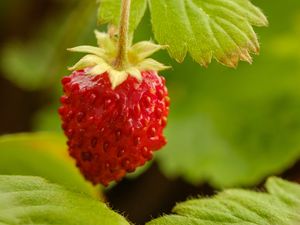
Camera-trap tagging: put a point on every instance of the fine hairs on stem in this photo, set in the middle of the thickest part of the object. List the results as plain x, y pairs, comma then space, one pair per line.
121, 60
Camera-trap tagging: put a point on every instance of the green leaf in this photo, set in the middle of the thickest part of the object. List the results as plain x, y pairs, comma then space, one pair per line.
236, 127
207, 29
33, 200
109, 12
279, 206
44, 155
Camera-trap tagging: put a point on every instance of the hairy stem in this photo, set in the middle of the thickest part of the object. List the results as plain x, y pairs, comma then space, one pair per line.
121, 60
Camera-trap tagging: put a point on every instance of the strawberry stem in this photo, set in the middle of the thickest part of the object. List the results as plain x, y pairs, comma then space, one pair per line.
121, 60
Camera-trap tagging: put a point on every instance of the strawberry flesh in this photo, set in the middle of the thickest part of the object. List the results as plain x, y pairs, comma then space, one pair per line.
112, 132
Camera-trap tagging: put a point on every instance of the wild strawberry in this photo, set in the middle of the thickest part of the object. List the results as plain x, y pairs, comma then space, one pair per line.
114, 120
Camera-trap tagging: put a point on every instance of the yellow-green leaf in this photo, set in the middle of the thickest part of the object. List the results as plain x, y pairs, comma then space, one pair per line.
280, 206
35, 201
44, 155
207, 29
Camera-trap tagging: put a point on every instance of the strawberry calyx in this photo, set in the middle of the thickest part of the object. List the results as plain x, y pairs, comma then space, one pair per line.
102, 59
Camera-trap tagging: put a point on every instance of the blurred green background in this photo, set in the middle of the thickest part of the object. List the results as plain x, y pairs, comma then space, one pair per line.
227, 127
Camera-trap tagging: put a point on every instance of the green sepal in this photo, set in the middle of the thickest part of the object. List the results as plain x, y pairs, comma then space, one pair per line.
101, 59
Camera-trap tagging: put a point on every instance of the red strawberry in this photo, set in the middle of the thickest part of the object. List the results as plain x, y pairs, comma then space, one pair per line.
114, 118
112, 132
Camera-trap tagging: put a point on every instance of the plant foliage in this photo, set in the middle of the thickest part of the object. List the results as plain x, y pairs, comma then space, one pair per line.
206, 29
280, 205
41, 154
33, 200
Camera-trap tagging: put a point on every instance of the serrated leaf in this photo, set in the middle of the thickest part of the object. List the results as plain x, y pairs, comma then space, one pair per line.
33, 200
240, 207
207, 29
244, 125
41, 154
109, 12
235, 127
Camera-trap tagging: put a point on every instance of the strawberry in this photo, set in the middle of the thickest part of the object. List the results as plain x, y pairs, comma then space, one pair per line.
114, 119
